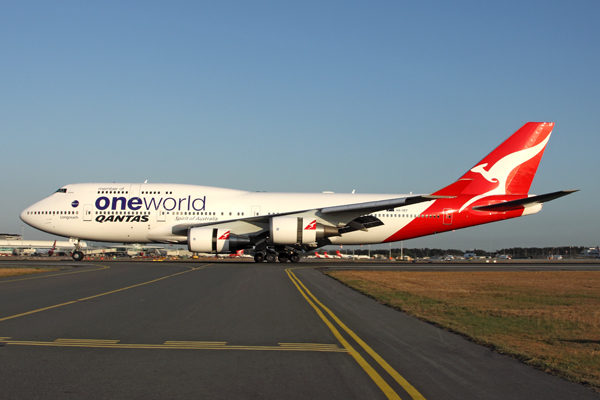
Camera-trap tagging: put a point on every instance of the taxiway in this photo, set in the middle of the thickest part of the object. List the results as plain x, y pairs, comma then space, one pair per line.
237, 330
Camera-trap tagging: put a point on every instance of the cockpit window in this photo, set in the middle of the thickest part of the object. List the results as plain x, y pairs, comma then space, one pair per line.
63, 190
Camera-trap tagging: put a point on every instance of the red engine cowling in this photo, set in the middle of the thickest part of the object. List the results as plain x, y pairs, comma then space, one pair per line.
215, 240
299, 230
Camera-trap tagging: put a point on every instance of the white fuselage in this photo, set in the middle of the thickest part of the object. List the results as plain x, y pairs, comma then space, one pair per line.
143, 213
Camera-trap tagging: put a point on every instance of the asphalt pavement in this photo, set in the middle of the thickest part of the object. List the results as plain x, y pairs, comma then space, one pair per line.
177, 330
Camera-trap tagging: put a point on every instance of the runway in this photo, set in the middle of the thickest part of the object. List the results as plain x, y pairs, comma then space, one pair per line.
237, 330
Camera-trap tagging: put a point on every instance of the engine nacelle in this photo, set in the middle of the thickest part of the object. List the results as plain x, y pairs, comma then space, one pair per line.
298, 230
215, 240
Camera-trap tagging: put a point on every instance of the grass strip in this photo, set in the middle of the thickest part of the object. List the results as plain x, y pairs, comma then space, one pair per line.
549, 320
8, 272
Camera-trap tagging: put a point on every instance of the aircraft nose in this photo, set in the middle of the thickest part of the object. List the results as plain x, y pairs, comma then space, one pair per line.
25, 216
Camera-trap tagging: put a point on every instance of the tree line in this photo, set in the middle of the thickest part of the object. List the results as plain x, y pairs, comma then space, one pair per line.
514, 252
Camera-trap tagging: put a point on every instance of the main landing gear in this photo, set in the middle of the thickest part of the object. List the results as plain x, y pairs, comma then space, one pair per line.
77, 254
272, 256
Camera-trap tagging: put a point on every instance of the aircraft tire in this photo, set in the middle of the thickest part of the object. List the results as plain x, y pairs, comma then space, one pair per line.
270, 258
259, 257
283, 257
77, 256
294, 257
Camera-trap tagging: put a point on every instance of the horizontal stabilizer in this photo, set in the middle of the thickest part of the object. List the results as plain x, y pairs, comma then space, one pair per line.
525, 202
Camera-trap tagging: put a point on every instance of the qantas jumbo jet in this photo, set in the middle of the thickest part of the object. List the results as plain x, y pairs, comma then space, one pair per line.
280, 226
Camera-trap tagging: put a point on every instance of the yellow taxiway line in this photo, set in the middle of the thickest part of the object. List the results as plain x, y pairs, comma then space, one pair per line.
101, 294
387, 390
102, 267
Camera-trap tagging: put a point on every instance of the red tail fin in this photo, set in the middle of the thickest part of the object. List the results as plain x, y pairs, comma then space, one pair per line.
51, 251
510, 168
238, 253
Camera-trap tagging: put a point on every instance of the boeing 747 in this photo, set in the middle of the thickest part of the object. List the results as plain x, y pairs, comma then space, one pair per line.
281, 226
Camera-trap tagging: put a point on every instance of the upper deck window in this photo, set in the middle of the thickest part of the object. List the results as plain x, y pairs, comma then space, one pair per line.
63, 190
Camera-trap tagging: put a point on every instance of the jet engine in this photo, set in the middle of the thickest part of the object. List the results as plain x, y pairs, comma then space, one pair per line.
215, 240
298, 230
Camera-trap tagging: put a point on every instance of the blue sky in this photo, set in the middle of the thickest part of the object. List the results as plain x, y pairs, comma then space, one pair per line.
377, 97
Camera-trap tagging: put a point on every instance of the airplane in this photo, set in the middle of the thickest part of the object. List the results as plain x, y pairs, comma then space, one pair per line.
327, 255
353, 256
237, 254
51, 251
340, 255
343, 256
281, 226
591, 252
324, 255
23, 246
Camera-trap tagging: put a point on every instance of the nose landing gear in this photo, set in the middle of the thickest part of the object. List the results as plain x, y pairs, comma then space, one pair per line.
76, 253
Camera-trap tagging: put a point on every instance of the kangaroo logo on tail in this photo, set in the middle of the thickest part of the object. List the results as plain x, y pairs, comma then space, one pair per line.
503, 172
486, 174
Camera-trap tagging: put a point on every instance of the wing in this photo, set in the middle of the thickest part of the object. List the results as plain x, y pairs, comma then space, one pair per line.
335, 215
373, 206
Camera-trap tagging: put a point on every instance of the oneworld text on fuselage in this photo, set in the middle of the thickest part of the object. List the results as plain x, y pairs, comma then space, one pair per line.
152, 203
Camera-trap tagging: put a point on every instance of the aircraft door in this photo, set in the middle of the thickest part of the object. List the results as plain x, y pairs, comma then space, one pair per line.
448, 216
255, 211
134, 190
161, 214
87, 212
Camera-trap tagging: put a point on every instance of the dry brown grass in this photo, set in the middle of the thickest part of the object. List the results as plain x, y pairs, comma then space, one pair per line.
7, 272
548, 319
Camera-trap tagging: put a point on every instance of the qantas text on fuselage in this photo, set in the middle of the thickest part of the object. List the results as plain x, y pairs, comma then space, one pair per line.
281, 226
